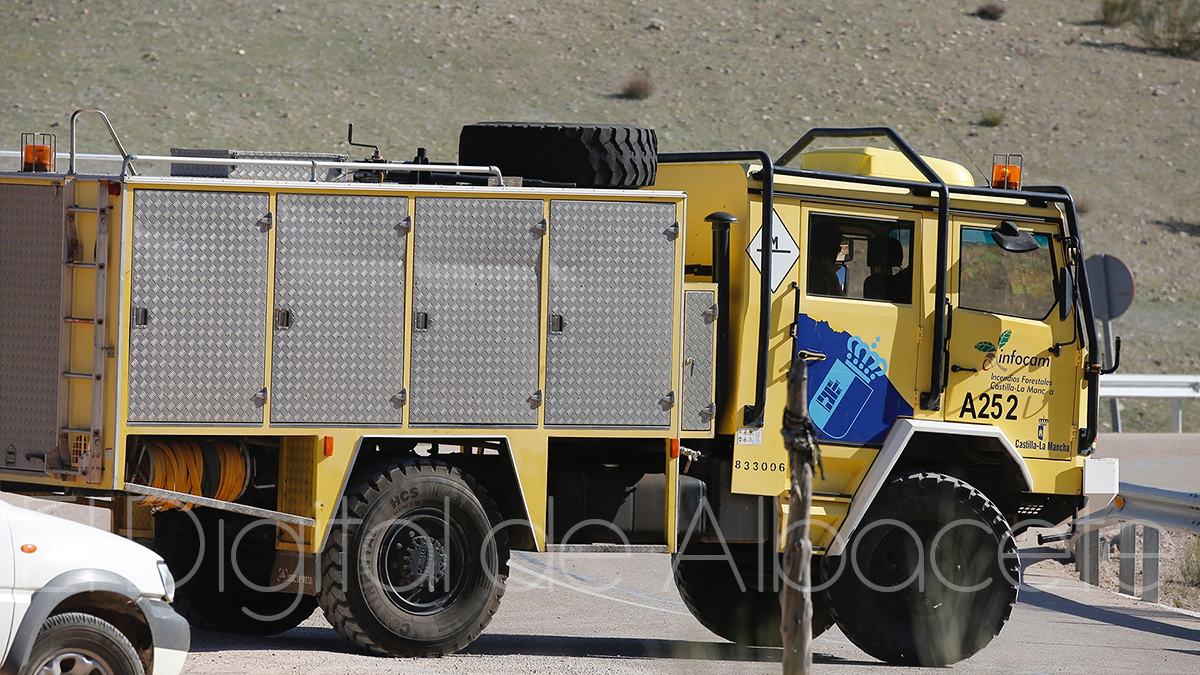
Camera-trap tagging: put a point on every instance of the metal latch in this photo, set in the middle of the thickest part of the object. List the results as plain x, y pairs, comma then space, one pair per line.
710, 314
283, 319
708, 412
261, 397
404, 225
266, 222
539, 228
672, 232
535, 399
667, 402
420, 321
689, 455
141, 316
399, 399
557, 324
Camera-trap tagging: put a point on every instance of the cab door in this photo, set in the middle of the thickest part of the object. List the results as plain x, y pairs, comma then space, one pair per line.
1013, 358
858, 306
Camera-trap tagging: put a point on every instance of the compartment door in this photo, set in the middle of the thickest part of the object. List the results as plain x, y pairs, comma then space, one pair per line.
199, 304
476, 291
612, 302
699, 359
338, 341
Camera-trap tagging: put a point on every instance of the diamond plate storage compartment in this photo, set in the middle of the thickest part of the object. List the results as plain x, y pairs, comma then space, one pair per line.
338, 341
198, 331
476, 292
699, 358
31, 272
612, 301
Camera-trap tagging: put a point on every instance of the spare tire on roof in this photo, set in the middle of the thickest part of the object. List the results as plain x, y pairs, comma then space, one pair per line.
584, 155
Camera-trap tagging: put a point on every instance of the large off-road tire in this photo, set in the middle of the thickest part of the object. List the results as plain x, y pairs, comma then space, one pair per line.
215, 595
951, 587
81, 643
750, 617
413, 568
585, 155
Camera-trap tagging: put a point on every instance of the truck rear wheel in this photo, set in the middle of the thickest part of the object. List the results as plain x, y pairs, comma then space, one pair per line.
750, 617
584, 155
930, 576
413, 568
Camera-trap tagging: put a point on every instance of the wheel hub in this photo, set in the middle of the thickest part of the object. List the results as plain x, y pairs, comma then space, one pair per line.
423, 561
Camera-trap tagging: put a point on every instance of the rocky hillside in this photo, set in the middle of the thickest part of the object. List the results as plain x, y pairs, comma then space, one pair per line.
1086, 104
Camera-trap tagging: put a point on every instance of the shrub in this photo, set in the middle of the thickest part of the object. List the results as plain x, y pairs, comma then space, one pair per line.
1189, 568
638, 87
990, 11
1171, 26
991, 118
1114, 13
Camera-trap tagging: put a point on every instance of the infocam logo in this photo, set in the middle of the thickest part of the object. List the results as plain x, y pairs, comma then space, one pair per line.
993, 356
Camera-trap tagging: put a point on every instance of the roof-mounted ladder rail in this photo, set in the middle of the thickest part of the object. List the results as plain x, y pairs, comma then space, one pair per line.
111, 132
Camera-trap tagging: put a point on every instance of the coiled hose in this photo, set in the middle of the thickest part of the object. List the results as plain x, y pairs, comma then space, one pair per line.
215, 469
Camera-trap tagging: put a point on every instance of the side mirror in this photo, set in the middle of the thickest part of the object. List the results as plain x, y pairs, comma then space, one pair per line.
1064, 293
1012, 238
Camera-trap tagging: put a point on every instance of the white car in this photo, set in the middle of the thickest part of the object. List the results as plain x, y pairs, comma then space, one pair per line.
77, 600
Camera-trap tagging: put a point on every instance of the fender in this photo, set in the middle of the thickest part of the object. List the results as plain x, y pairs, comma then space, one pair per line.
893, 446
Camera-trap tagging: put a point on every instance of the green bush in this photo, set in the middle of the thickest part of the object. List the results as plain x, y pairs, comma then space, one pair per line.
1114, 13
1171, 26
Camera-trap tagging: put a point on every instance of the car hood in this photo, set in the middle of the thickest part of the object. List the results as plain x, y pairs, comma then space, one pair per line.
63, 546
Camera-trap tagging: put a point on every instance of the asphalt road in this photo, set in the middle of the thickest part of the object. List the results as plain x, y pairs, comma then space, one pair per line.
1168, 461
620, 613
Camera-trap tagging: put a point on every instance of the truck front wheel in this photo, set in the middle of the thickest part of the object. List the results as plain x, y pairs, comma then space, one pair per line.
737, 612
929, 577
413, 566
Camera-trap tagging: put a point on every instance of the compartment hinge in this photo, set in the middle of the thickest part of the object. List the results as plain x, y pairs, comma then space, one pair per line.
668, 401
399, 399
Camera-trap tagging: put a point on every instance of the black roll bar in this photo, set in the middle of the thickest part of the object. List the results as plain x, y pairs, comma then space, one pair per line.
930, 399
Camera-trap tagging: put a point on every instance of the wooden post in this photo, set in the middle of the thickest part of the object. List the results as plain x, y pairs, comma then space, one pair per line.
794, 600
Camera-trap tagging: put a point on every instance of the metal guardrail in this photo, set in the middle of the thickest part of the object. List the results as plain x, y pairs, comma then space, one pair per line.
1135, 506
1177, 388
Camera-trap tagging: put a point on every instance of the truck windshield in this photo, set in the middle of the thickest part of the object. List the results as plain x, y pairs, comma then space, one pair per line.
998, 282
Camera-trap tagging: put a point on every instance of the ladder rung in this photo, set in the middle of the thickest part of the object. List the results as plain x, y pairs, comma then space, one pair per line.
75, 208
75, 430
78, 376
78, 319
81, 265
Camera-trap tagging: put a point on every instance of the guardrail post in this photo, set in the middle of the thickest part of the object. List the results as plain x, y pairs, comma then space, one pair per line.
1127, 545
1177, 409
1087, 556
1150, 563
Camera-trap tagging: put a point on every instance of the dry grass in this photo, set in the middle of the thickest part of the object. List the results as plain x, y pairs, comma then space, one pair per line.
1171, 26
991, 118
637, 88
991, 11
1189, 568
1116, 13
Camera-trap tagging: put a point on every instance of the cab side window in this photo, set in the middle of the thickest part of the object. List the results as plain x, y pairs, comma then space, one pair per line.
998, 282
860, 258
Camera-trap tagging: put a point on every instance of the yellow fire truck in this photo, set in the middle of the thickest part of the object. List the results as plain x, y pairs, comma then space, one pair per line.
360, 384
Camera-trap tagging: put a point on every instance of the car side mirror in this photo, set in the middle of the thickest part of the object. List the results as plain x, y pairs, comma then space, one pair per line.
1012, 238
